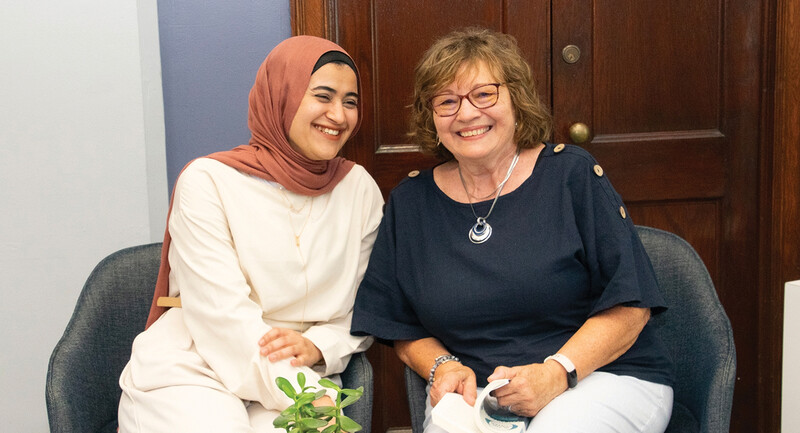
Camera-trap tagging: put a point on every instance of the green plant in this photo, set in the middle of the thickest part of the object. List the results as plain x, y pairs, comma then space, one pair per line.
302, 416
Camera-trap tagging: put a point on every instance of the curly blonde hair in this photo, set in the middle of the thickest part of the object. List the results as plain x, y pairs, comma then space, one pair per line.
469, 48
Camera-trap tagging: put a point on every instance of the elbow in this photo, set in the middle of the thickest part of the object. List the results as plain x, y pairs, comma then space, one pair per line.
401, 349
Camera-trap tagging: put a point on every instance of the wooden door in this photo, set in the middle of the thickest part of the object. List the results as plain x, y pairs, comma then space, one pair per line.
669, 92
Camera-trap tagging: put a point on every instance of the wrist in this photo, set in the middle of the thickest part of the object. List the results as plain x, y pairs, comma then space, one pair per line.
440, 360
565, 365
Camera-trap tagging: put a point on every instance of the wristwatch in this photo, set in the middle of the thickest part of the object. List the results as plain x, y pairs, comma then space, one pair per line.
572, 375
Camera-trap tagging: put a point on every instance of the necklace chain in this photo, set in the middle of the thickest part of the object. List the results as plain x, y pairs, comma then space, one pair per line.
291, 220
481, 231
291, 209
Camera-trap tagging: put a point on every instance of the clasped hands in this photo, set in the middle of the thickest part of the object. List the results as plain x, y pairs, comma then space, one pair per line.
531, 386
282, 343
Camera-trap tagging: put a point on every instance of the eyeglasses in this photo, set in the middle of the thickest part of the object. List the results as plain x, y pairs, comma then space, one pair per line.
483, 96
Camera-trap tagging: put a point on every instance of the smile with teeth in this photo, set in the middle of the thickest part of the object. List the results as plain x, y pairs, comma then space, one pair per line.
474, 132
329, 131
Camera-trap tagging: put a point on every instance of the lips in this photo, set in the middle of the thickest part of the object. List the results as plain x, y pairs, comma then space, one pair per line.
329, 131
474, 132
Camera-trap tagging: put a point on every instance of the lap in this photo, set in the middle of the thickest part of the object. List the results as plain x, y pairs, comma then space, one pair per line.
191, 408
602, 402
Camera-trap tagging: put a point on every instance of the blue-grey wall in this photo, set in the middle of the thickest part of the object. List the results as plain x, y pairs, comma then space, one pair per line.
210, 51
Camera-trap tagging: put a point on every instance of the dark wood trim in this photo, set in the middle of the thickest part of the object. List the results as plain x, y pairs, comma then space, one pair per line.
778, 192
780, 261
314, 17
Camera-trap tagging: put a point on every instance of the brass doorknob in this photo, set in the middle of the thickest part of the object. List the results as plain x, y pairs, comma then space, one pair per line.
579, 133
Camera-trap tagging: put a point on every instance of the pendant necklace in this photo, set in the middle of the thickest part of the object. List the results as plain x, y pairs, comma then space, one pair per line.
481, 231
297, 235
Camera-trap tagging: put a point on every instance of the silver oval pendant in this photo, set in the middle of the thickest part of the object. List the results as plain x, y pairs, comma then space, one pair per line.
480, 232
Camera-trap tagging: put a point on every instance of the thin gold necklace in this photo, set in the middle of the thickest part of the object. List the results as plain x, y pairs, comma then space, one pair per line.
297, 235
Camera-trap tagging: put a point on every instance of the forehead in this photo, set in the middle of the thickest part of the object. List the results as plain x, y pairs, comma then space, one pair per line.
335, 75
470, 74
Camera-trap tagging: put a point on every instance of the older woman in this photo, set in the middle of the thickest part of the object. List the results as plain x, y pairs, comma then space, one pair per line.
265, 247
514, 259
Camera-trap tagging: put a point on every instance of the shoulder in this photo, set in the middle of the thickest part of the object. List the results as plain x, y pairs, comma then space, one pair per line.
415, 182
359, 179
574, 163
358, 174
206, 168
568, 155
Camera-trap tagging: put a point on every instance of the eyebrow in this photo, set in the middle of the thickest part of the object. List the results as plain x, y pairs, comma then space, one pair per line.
450, 92
332, 90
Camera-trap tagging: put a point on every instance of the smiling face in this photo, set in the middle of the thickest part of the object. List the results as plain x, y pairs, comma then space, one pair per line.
472, 134
327, 114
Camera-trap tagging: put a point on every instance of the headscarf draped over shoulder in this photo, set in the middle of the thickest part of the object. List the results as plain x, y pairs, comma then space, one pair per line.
281, 83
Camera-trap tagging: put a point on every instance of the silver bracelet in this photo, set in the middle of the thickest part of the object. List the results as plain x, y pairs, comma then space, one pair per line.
439, 361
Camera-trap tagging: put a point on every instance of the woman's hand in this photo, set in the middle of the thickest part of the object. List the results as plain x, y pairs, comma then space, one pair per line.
531, 386
325, 400
454, 377
282, 343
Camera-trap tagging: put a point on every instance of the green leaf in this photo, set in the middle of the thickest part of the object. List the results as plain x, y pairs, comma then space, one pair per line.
349, 400
305, 398
296, 430
358, 391
281, 421
348, 424
325, 410
313, 423
319, 394
301, 379
291, 410
328, 384
285, 386
330, 429
307, 411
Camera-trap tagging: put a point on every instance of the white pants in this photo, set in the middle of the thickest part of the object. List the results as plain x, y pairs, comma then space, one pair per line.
600, 403
191, 409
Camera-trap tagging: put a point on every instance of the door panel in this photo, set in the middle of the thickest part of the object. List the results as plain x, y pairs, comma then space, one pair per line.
669, 90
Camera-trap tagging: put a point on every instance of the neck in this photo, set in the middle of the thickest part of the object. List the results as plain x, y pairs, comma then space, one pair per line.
482, 180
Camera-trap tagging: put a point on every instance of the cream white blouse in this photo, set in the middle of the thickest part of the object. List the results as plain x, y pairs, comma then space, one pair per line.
239, 271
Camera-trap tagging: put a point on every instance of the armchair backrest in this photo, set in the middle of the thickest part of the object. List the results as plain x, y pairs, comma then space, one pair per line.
696, 330
82, 388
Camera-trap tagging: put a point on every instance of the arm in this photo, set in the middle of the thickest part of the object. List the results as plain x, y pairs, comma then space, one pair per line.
327, 346
622, 290
420, 355
602, 339
223, 320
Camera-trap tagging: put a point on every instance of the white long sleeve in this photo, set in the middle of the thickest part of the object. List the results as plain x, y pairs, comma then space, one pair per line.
238, 271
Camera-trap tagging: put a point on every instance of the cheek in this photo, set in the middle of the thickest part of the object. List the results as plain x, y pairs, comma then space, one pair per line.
440, 123
352, 119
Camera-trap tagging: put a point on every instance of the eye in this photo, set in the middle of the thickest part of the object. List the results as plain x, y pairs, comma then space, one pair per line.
350, 103
324, 97
445, 101
483, 95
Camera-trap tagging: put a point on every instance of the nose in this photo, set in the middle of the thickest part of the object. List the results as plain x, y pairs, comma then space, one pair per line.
336, 112
467, 110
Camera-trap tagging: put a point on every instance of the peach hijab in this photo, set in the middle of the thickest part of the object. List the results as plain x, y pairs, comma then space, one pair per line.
280, 85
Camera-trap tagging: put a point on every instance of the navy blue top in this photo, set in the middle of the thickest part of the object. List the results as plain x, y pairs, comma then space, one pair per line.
562, 250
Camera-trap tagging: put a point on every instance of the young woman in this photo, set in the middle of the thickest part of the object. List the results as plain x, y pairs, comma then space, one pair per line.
265, 247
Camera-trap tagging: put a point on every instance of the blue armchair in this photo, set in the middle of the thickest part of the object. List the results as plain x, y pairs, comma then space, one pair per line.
82, 388
695, 329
